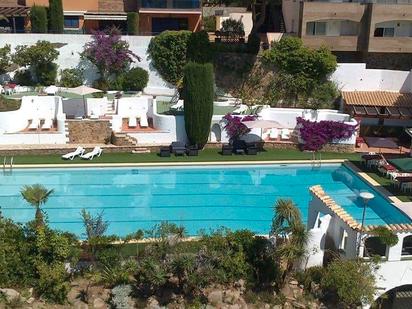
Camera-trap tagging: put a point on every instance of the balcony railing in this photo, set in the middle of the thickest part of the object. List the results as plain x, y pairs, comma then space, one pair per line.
171, 4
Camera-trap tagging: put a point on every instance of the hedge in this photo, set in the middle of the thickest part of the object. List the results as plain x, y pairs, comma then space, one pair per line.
198, 96
199, 48
168, 54
56, 17
38, 19
132, 23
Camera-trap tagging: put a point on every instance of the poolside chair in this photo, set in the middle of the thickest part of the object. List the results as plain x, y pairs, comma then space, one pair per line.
240, 110
48, 124
35, 123
285, 134
192, 150
274, 133
178, 106
164, 152
227, 150
132, 122
144, 123
71, 155
97, 151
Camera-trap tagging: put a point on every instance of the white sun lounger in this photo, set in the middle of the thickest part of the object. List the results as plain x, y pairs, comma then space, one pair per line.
35, 123
48, 124
132, 122
285, 134
71, 155
240, 110
273, 133
178, 106
144, 123
97, 151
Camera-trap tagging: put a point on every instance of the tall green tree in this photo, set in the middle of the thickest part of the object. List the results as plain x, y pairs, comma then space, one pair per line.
38, 19
56, 17
36, 195
198, 96
5, 59
199, 48
132, 23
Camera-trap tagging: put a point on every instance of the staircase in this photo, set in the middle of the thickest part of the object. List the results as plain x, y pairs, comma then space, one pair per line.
123, 139
110, 108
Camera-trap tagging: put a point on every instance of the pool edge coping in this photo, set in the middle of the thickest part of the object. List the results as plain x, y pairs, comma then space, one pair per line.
154, 164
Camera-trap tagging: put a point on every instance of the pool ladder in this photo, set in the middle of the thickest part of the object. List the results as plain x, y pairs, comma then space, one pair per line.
9, 165
316, 161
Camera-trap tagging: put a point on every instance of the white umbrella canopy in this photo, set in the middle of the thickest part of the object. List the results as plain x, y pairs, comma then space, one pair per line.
262, 124
82, 90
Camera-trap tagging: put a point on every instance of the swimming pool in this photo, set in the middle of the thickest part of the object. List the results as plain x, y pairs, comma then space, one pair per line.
201, 197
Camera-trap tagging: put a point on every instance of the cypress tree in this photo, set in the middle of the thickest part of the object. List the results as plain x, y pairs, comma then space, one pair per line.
132, 23
38, 19
198, 96
56, 16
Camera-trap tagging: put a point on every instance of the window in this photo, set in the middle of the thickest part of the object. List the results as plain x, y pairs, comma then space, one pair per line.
343, 240
374, 246
407, 245
384, 32
316, 28
71, 22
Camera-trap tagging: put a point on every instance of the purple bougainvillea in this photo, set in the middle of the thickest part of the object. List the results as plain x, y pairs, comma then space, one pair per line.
234, 126
317, 134
109, 53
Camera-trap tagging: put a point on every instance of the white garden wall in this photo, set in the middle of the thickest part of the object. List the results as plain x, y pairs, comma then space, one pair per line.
33, 107
356, 77
73, 45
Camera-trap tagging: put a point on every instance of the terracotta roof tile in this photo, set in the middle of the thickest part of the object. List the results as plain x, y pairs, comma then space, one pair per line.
377, 98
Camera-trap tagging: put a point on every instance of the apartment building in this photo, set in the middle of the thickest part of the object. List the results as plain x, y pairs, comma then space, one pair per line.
375, 31
83, 16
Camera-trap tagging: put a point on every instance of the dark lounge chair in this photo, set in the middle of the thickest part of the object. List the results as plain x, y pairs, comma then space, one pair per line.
164, 152
239, 147
178, 148
251, 149
227, 150
192, 150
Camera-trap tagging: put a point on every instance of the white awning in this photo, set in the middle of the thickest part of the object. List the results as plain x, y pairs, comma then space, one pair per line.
104, 17
74, 13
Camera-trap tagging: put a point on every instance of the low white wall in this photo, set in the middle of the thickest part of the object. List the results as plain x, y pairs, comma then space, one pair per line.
133, 106
32, 107
96, 106
355, 77
33, 138
73, 45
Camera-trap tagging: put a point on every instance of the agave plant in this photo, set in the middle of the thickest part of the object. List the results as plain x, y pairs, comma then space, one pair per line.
36, 195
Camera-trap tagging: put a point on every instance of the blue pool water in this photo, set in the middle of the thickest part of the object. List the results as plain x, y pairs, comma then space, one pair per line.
197, 197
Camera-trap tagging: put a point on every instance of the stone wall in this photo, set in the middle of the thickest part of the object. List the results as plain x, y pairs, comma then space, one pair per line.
89, 131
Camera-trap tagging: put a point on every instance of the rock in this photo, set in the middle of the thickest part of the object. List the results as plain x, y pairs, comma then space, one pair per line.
266, 306
277, 307
287, 305
293, 282
298, 305
30, 291
231, 297
80, 305
30, 300
215, 297
240, 284
99, 303
210, 307
152, 303
10, 294
235, 306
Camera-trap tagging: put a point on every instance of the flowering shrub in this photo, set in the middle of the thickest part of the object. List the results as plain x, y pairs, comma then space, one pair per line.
317, 134
109, 53
234, 126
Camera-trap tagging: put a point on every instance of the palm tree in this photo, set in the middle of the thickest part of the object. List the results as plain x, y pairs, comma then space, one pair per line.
36, 195
286, 215
287, 224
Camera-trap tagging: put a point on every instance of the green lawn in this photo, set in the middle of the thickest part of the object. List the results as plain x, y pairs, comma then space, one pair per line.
385, 183
212, 155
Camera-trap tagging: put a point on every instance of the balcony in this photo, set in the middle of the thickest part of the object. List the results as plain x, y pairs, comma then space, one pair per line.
170, 4
332, 10
334, 43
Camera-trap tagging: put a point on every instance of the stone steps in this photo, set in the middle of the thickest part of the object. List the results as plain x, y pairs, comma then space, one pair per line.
140, 150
